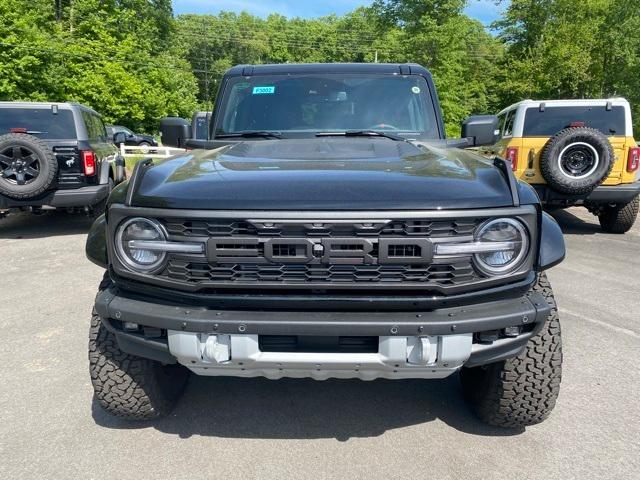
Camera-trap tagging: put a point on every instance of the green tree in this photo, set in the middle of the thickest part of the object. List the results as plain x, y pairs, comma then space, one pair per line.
459, 52
117, 56
571, 49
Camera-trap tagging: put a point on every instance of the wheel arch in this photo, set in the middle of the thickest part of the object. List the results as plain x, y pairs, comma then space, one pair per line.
96, 247
552, 247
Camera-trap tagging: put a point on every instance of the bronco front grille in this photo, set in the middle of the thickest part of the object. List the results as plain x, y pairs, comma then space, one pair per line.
319, 253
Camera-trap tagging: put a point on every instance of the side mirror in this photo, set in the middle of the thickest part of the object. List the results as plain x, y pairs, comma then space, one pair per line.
119, 138
174, 131
481, 130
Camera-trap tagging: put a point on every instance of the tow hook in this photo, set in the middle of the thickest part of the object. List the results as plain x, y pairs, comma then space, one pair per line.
217, 349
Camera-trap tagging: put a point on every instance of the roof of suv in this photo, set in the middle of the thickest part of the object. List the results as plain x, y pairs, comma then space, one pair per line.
61, 105
605, 103
596, 102
284, 68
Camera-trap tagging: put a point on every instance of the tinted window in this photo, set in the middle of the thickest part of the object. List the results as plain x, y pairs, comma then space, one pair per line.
553, 119
328, 103
202, 128
501, 119
118, 128
507, 131
41, 122
102, 131
95, 127
86, 118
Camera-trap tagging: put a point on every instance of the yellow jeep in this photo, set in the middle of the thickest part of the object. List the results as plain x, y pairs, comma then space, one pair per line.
576, 152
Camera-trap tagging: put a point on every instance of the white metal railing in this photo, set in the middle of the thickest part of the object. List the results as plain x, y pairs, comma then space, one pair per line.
128, 151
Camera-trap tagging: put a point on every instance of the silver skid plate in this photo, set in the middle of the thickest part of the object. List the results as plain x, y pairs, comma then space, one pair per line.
397, 357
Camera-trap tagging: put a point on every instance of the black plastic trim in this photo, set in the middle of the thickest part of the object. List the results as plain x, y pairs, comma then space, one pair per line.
530, 308
136, 178
96, 246
281, 299
604, 194
552, 249
510, 178
77, 197
138, 345
501, 349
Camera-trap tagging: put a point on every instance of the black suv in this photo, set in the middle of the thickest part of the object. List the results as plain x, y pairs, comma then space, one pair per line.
55, 154
327, 230
130, 138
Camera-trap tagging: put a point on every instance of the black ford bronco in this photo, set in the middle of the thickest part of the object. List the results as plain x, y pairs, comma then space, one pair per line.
327, 229
56, 155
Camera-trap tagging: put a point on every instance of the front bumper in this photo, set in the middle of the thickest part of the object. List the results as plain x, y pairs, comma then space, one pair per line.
415, 344
76, 197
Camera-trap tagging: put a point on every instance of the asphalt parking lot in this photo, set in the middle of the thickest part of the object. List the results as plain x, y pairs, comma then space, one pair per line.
254, 428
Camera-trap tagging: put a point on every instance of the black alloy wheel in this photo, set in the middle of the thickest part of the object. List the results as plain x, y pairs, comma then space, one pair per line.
19, 165
28, 166
579, 160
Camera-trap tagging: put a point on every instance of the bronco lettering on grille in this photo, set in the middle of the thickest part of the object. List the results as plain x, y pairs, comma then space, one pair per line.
336, 251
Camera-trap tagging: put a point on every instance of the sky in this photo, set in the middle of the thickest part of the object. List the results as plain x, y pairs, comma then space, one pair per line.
484, 10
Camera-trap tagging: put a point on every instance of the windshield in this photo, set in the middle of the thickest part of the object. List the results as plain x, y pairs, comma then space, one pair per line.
118, 128
302, 105
42, 122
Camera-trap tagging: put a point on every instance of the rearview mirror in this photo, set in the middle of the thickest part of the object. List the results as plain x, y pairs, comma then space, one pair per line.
481, 130
175, 131
119, 138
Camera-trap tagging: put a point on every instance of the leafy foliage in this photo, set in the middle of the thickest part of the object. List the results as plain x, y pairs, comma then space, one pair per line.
116, 56
571, 49
134, 62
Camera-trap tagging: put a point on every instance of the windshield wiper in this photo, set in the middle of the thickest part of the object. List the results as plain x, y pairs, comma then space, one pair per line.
252, 134
362, 133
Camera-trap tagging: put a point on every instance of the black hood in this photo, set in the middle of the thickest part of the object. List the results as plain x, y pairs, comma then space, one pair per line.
330, 173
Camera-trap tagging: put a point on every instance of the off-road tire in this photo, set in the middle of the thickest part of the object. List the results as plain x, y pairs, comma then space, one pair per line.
127, 386
619, 218
520, 391
46, 161
550, 162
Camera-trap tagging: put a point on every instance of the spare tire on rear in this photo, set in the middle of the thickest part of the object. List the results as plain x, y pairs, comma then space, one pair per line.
28, 166
576, 160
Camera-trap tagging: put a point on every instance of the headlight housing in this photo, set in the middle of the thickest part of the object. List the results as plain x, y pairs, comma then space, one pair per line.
505, 242
136, 257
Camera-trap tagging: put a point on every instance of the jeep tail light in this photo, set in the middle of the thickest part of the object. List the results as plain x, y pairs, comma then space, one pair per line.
88, 162
512, 157
633, 162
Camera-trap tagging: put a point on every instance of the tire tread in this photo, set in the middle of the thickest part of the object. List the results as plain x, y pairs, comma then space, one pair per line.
556, 180
619, 218
523, 390
127, 386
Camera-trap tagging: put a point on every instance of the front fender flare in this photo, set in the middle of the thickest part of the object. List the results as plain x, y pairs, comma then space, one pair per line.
552, 249
96, 248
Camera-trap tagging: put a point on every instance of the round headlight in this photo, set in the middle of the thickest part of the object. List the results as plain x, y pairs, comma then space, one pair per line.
506, 245
135, 257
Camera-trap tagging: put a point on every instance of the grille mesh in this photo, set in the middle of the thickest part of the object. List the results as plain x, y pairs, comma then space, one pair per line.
316, 274
236, 227
196, 272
